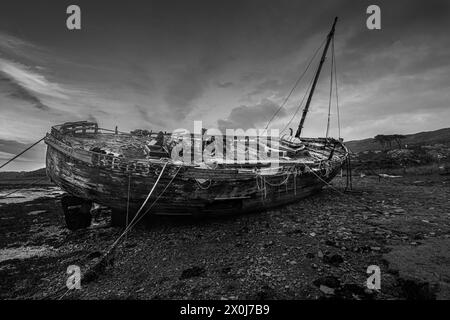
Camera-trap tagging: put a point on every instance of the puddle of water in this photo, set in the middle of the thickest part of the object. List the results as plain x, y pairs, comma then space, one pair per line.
28, 194
24, 252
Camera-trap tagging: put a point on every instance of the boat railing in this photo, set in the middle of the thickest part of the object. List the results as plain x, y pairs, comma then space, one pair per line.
79, 127
137, 165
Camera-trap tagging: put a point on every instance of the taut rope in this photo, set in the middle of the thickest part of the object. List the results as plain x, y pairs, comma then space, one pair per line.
295, 85
21, 153
134, 221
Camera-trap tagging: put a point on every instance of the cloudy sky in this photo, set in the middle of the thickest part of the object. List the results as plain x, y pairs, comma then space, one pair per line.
164, 64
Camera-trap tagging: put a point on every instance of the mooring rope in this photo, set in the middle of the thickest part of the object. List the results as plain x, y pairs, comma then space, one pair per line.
342, 193
164, 190
295, 182
134, 221
21, 153
139, 211
128, 198
14, 158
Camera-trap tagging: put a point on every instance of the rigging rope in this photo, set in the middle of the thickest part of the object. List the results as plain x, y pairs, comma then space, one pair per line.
295, 85
336, 89
18, 155
199, 184
288, 174
299, 106
331, 89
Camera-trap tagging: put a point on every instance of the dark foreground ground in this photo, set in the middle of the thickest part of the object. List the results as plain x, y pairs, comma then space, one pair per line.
318, 248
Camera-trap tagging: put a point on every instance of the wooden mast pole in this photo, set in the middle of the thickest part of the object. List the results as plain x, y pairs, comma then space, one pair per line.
316, 78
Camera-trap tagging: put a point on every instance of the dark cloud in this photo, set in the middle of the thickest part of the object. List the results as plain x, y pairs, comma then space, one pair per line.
266, 86
143, 113
10, 148
187, 85
254, 116
17, 91
149, 116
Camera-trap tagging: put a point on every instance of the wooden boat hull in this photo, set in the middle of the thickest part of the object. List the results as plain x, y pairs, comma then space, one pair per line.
120, 170
182, 190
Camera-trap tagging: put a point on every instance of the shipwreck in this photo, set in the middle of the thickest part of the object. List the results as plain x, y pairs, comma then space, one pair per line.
135, 173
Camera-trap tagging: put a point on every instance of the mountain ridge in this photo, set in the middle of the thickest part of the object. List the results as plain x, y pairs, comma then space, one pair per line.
440, 136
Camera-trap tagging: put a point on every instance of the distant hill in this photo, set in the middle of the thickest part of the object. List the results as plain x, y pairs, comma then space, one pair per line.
441, 136
23, 174
24, 177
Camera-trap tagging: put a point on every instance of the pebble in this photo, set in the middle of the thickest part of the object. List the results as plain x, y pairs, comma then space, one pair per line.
326, 290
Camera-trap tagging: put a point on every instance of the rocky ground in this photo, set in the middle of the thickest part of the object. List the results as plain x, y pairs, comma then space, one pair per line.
317, 248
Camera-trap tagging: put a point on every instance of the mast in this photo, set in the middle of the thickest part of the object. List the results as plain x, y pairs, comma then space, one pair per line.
316, 78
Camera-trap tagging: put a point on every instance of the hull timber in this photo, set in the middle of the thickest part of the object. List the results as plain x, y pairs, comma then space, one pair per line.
110, 180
